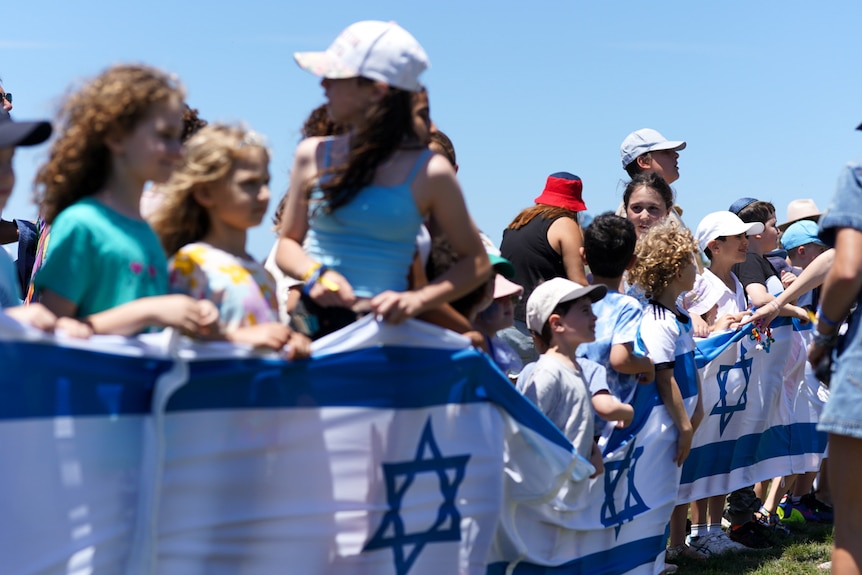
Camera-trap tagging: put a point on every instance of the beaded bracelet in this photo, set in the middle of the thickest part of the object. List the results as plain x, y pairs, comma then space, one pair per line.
314, 267
312, 277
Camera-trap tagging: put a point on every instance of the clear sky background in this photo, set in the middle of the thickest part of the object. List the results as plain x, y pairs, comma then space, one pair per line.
766, 93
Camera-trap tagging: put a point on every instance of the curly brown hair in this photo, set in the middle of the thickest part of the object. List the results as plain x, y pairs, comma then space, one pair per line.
540, 210
79, 161
388, 126
664, 250
208, 157
319, 123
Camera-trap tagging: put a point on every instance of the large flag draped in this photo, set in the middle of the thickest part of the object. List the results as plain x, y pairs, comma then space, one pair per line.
385, 453
393, 450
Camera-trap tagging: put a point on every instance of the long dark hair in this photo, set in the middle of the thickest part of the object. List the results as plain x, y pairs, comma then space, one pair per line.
388, 126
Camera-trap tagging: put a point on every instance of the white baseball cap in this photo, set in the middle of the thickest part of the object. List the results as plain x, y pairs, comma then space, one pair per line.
643, 141
548, 295
719, 224
381, 51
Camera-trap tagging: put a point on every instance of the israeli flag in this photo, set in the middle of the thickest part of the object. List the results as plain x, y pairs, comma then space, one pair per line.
390, 451
613, 524
760, 412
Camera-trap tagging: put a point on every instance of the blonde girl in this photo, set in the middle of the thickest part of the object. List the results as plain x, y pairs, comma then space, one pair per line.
104, 263
220, 191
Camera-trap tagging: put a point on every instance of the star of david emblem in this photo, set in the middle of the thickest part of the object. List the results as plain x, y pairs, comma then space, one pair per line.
633, 503
399, 477
722, 408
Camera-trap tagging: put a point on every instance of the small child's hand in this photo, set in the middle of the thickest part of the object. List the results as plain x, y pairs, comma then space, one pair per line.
683, 445
627, 415
477, 340
299, 346
699, 327
787, 278
35, 314
648, 376
208, 317
73, 328
179, 311
271, 335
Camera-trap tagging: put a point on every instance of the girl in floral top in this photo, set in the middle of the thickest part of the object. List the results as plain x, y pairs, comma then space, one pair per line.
218, 193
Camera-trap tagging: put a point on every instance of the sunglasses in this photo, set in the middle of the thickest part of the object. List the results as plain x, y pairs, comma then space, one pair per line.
7, 96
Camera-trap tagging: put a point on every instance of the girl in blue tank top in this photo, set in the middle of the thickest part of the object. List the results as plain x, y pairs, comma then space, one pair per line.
356, 201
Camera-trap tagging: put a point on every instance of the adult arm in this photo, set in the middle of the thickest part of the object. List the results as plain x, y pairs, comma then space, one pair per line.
840, 288
811, 277
566, 237
290, 256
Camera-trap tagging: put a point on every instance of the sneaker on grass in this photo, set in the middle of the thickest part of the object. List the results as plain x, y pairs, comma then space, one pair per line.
715, 544
751, 534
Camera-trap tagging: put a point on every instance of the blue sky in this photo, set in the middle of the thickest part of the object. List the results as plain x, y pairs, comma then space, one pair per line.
765, 93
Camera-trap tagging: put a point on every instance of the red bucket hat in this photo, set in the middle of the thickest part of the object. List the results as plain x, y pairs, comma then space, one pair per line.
563, 190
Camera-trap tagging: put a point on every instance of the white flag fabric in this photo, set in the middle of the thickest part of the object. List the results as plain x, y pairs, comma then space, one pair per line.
760, 412
614, 524
387, 452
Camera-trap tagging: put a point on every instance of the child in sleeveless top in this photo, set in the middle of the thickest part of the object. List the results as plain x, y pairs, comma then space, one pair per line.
356, 201
220, 191
104, 263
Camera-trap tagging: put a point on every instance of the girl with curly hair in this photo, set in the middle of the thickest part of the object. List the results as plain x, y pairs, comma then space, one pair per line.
220, 191
665, 268
104, 263
356, 201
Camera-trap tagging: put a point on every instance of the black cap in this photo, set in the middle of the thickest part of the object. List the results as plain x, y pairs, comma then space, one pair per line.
22, 133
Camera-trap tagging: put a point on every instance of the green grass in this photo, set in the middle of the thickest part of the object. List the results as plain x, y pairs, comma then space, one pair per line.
809, 545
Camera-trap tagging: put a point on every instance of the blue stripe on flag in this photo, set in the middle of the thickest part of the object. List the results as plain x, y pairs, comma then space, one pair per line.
374, 377
780, 441
619, 559
46, 380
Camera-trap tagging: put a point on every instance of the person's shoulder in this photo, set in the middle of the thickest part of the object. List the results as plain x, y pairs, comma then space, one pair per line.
590, 368
82, 209
619, 301
307, 150
436, 166
196, 252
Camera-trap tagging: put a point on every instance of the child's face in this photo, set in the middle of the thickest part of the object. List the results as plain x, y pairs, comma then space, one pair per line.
500, 314
645, 209
348, 99
239, 200
767, 240
7, 175
151, 151
730, 250
579, 323
665, 164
